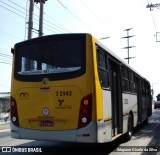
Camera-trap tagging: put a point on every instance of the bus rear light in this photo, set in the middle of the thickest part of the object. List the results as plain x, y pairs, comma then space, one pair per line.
85, 112
86, 102
12, 103
14, 112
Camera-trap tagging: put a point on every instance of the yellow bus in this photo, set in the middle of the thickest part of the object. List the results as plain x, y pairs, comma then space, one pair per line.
71, 88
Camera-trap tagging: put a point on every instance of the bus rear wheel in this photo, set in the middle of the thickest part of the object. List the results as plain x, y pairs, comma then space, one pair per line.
129, 133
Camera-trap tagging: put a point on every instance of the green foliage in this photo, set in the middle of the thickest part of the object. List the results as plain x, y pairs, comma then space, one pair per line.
158, 97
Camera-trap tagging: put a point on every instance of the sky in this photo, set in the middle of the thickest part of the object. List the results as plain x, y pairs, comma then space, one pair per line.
102, 18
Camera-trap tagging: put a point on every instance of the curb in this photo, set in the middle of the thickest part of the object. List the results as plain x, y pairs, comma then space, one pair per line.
3, 123
155, 142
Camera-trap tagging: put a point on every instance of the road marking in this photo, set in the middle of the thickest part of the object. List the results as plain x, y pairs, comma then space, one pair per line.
5, 130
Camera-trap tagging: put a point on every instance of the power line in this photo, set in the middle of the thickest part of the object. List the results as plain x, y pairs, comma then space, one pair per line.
51, 22
11, 11
11, 35
150, 5
7, 63
56, 22
92, 12
56, 26
5, 59
11, 8
18, 5
154, 23
73, 14
5, 55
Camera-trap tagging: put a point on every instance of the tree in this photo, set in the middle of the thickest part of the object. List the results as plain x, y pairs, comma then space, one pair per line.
158, 97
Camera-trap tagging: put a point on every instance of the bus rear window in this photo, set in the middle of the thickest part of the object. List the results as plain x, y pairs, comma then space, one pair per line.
51, 57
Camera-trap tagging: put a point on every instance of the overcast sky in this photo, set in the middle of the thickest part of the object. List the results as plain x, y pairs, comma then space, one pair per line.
102, 18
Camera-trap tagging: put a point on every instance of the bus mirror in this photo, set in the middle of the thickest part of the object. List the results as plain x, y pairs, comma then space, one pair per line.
12, 50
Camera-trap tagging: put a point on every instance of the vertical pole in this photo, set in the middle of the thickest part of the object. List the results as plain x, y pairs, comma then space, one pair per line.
41, 18
128, 44
28, 64
30, 22
128, 47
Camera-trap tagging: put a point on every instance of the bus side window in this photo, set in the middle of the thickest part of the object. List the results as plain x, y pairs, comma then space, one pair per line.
125, 79
145, 88
132, 82
102, 68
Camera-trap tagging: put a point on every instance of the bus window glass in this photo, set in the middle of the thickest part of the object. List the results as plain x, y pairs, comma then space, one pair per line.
125, 80
50, 57
101, 59
131, 76
102, 68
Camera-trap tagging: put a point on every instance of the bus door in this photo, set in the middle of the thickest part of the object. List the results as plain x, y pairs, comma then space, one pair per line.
116, 98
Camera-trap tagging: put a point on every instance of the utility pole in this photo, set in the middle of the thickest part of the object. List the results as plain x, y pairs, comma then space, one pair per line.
151, 7
41, 19
30, 22
29, 64
128, 46
41, 16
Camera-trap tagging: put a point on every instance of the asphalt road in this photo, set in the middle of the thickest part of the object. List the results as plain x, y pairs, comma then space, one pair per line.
144, 136
4, 130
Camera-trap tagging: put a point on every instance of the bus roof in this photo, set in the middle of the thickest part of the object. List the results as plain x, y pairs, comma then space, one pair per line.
99, 43
119, 59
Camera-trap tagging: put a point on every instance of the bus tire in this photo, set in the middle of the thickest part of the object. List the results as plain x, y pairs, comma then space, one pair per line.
145, 121
129, 133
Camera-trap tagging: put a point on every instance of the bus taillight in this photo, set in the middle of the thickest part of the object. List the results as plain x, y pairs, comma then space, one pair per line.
85, 113
14, 112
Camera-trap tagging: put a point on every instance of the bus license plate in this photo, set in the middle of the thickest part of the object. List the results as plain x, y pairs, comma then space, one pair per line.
47, 123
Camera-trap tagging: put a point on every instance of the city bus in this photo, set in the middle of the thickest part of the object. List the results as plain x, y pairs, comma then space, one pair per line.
72, 88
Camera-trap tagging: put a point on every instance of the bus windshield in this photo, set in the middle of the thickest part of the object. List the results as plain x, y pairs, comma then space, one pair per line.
51, 57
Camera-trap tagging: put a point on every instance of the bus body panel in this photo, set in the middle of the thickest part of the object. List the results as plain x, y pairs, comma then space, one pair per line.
54, 107
86, 135
97, 86
107, 117
98, 95
53, 104
129, 103
51, 111
106, 105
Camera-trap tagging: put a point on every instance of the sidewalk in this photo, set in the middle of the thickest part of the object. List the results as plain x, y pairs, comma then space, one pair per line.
4, 127
157, 137
4, 118
3, 122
